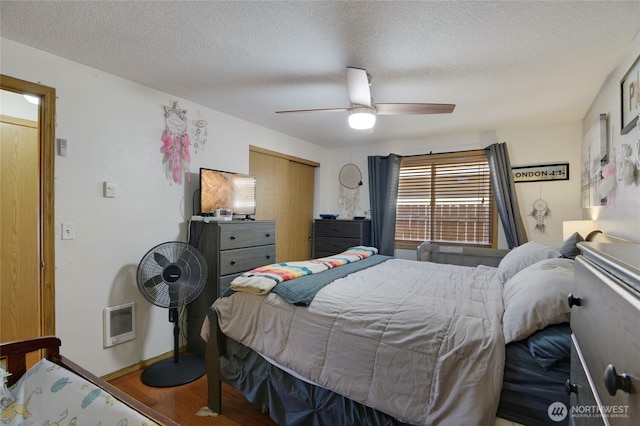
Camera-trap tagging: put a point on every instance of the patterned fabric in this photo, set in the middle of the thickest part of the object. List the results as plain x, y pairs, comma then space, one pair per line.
51, 394
262, 279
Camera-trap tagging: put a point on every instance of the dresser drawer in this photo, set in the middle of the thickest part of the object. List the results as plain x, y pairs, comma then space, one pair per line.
224, 283
341, 229
582, 398
238, 235
605, 325
241, 260
334, 245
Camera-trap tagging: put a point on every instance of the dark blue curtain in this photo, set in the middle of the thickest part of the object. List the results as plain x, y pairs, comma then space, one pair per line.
505, 194
383, 194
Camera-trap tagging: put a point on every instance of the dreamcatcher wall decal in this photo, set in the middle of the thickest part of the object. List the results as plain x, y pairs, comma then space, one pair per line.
540, 212
175, 143
201, 133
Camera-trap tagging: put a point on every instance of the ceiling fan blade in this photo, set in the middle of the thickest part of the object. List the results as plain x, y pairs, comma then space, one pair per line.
313, 110
402, 109
358, 85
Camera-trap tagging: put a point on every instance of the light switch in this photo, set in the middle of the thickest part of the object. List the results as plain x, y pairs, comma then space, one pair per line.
110, 189
68, 231
62, 147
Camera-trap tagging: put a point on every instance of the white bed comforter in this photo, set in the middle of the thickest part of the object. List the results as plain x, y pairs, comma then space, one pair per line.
420, 341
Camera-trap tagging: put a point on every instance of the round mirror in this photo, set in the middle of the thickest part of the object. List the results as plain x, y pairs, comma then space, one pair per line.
350, 176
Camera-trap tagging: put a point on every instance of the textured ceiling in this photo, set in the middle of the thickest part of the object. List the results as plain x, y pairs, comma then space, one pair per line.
504, 64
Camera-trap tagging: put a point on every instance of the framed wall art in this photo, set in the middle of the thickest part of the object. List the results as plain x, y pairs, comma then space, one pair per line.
630, 97
543, 172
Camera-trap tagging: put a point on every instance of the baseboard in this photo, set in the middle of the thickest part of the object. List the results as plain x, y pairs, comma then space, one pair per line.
139, 365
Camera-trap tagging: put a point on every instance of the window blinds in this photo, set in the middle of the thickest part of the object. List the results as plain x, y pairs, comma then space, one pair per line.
445, 198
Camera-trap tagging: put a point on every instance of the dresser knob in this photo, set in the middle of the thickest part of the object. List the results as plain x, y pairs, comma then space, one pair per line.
613, 381
267, 235
232, 237
268, 257
570, 387
573, 301
233, 262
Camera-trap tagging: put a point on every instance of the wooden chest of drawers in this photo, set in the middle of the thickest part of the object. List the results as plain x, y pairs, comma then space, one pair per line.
605, 320
332, 236
230, 248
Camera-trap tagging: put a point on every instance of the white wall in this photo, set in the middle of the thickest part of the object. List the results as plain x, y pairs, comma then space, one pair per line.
113, 128
622, 218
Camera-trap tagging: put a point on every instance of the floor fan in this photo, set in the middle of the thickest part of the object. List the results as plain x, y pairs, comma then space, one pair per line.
171, 275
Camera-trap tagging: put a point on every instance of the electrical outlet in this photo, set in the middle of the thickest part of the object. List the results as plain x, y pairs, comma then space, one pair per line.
68, 231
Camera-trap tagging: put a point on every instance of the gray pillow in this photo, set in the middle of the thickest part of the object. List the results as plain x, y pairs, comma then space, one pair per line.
569, 248
523, 256
536, 297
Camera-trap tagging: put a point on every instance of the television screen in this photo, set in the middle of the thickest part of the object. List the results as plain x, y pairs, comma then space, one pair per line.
227, 190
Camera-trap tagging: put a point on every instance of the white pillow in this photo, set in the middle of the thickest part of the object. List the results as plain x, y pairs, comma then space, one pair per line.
536, 297
523, 256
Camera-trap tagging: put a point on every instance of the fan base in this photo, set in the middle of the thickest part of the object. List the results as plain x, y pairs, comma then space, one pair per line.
167, 373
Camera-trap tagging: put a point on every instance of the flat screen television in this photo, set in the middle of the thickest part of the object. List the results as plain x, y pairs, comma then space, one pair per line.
220, 189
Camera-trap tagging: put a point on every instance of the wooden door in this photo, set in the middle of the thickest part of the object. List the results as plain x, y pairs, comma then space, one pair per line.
27, 258
300, 216
19, 240
284, 193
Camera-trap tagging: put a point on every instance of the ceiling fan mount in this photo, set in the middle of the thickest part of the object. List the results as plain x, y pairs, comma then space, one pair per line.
363, 111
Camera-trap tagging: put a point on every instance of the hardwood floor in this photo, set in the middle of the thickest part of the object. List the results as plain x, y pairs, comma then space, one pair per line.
181, 403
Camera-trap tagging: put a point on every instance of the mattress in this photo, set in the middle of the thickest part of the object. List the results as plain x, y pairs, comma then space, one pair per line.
528, 389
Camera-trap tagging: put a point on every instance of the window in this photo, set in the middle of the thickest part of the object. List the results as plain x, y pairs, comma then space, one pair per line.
446, 199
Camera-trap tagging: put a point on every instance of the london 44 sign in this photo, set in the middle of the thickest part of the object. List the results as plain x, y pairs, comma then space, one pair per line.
543, 172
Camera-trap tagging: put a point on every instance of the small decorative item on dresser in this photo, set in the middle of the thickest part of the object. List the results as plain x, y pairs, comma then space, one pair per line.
328, 216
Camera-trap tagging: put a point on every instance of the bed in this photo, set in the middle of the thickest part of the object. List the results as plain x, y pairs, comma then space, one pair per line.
401, 342
55, 390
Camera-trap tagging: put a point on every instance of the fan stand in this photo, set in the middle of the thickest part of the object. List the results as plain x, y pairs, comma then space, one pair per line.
174, 371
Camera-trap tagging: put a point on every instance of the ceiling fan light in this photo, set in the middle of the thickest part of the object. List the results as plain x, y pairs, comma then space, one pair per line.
362, 118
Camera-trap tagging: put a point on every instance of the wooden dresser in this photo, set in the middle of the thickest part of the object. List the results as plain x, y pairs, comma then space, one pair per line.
230, 248
332, 236
605, 320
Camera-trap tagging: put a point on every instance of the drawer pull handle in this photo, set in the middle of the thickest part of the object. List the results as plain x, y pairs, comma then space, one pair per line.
233, 262
573, 301
268, 257
570, 387
267, 235
613, 381
232, 237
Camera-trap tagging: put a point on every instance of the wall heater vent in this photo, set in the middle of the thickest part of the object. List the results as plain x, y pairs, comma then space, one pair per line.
119, 324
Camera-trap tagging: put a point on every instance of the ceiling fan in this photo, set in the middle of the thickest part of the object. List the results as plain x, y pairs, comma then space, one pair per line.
362, 112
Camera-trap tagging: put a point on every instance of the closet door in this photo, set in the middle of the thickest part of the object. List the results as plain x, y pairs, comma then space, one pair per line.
284, 193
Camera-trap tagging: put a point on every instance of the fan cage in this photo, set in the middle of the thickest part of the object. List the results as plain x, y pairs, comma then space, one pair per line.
172, 274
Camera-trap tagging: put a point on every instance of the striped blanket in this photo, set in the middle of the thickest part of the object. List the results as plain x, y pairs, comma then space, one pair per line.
261, 280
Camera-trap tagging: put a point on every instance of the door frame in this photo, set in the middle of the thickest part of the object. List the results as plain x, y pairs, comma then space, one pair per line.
46, 126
